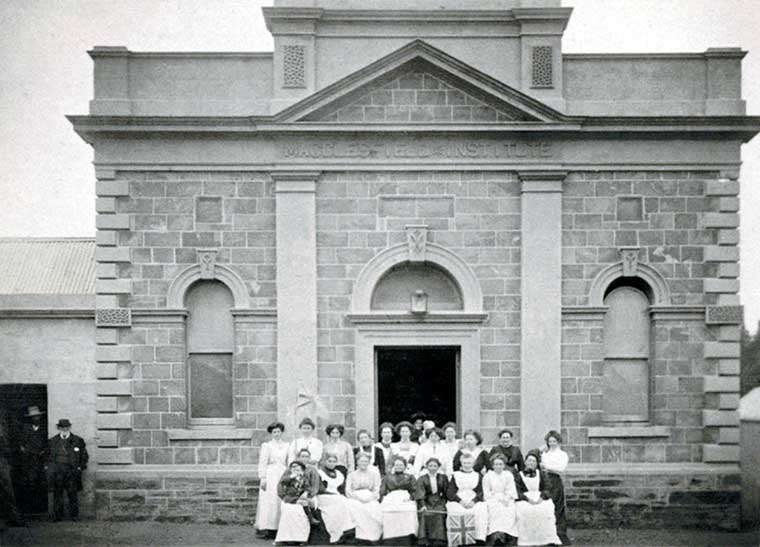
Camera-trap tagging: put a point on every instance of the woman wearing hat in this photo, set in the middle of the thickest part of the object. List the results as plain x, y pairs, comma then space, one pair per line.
272, 459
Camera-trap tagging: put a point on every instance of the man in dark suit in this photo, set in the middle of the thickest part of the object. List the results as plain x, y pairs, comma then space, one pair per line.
67, 458
33, 448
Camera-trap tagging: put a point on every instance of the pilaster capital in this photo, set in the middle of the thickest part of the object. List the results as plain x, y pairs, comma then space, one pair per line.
295, 181
542, 181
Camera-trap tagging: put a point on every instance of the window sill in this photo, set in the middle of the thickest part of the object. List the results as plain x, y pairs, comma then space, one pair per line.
209, 434
637, 431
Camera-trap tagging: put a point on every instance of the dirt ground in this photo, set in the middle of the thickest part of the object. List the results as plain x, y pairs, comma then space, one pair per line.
97, 534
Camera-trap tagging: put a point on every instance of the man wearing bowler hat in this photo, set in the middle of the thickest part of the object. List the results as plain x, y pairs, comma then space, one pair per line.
67, 458
33, 448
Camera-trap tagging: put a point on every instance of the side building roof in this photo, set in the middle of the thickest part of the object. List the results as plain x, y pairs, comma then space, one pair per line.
47, 274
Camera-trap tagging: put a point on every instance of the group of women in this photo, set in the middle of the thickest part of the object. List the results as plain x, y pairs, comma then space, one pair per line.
402, 489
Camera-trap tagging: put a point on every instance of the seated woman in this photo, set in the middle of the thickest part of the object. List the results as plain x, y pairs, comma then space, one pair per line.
471, 446
430, 493
405, 447
500, 494
554, 462
341, 449
294, 525
362, 492
399, 511
465, 495
535, 510
433, 447
375, 453
331, 501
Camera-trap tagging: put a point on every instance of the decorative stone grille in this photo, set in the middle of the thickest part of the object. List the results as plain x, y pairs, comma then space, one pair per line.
294, 66
113, 317
723, 315
542, 67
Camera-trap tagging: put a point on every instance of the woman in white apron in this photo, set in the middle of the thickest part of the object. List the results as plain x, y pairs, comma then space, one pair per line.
536, 523
294, 525
331, 501
399, 510
363, 492
466, 496
272, 459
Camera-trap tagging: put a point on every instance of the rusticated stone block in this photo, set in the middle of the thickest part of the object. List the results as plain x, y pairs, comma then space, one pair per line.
724, 315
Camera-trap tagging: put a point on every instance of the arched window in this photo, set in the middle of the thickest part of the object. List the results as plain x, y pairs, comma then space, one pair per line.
210, 345
395, 289
627, 328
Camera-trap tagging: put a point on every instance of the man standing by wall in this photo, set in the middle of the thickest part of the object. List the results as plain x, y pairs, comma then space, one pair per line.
33, 449
67, 458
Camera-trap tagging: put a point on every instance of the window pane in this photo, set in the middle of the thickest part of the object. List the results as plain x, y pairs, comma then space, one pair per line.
626, 390
626, 324
210, 327
210, 385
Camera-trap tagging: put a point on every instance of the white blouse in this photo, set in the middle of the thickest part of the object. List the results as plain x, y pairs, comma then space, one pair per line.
466, 484
555, 460
313, 444
272, 453
499, 486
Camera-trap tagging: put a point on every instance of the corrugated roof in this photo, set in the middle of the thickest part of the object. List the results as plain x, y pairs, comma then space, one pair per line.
47, 266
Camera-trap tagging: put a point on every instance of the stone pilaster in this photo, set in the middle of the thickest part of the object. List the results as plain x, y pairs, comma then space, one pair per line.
725, 319
296, 290
113, 394
541, 308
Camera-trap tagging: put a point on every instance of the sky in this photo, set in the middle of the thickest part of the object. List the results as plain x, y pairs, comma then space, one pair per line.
47, 183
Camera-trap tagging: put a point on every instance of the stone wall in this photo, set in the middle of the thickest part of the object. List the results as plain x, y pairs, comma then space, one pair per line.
474, 214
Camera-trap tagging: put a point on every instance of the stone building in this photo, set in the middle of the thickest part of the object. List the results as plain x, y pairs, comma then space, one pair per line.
417, 206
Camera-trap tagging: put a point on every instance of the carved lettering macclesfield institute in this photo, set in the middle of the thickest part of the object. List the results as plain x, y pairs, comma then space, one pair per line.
532, 150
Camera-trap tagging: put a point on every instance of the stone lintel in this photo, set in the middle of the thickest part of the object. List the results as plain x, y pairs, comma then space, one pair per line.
620, 432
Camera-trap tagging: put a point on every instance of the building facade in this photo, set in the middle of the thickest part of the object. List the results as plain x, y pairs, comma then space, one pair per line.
418, 206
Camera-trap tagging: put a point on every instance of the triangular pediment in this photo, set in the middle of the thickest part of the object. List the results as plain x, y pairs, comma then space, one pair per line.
419, 84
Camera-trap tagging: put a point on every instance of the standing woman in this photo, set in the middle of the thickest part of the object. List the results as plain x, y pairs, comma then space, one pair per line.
331, 501
450, 439
472, 441
375, 453
500, 493
306, 440
433, 447
536, 524
430, 493
385, 444
405, 447
294, 525
399, 511
465, 495
512, 452
272, 465
363, 493
339, 448
554, 462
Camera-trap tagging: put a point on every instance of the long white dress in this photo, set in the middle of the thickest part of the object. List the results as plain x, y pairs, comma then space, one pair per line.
294, 525
466, 486
429, 450
273, 457
362, 493
500, 494
535, 523
334, 507
313, 444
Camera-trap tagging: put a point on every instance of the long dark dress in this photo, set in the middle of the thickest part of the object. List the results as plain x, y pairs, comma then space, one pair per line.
556, 491
515, 460
481, 461
432, 529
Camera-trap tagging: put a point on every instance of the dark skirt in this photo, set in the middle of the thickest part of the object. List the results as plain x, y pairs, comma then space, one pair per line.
433, 521
557, 492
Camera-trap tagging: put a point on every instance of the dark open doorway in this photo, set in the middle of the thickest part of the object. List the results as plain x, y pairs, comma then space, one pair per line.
15, 401
410, 379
